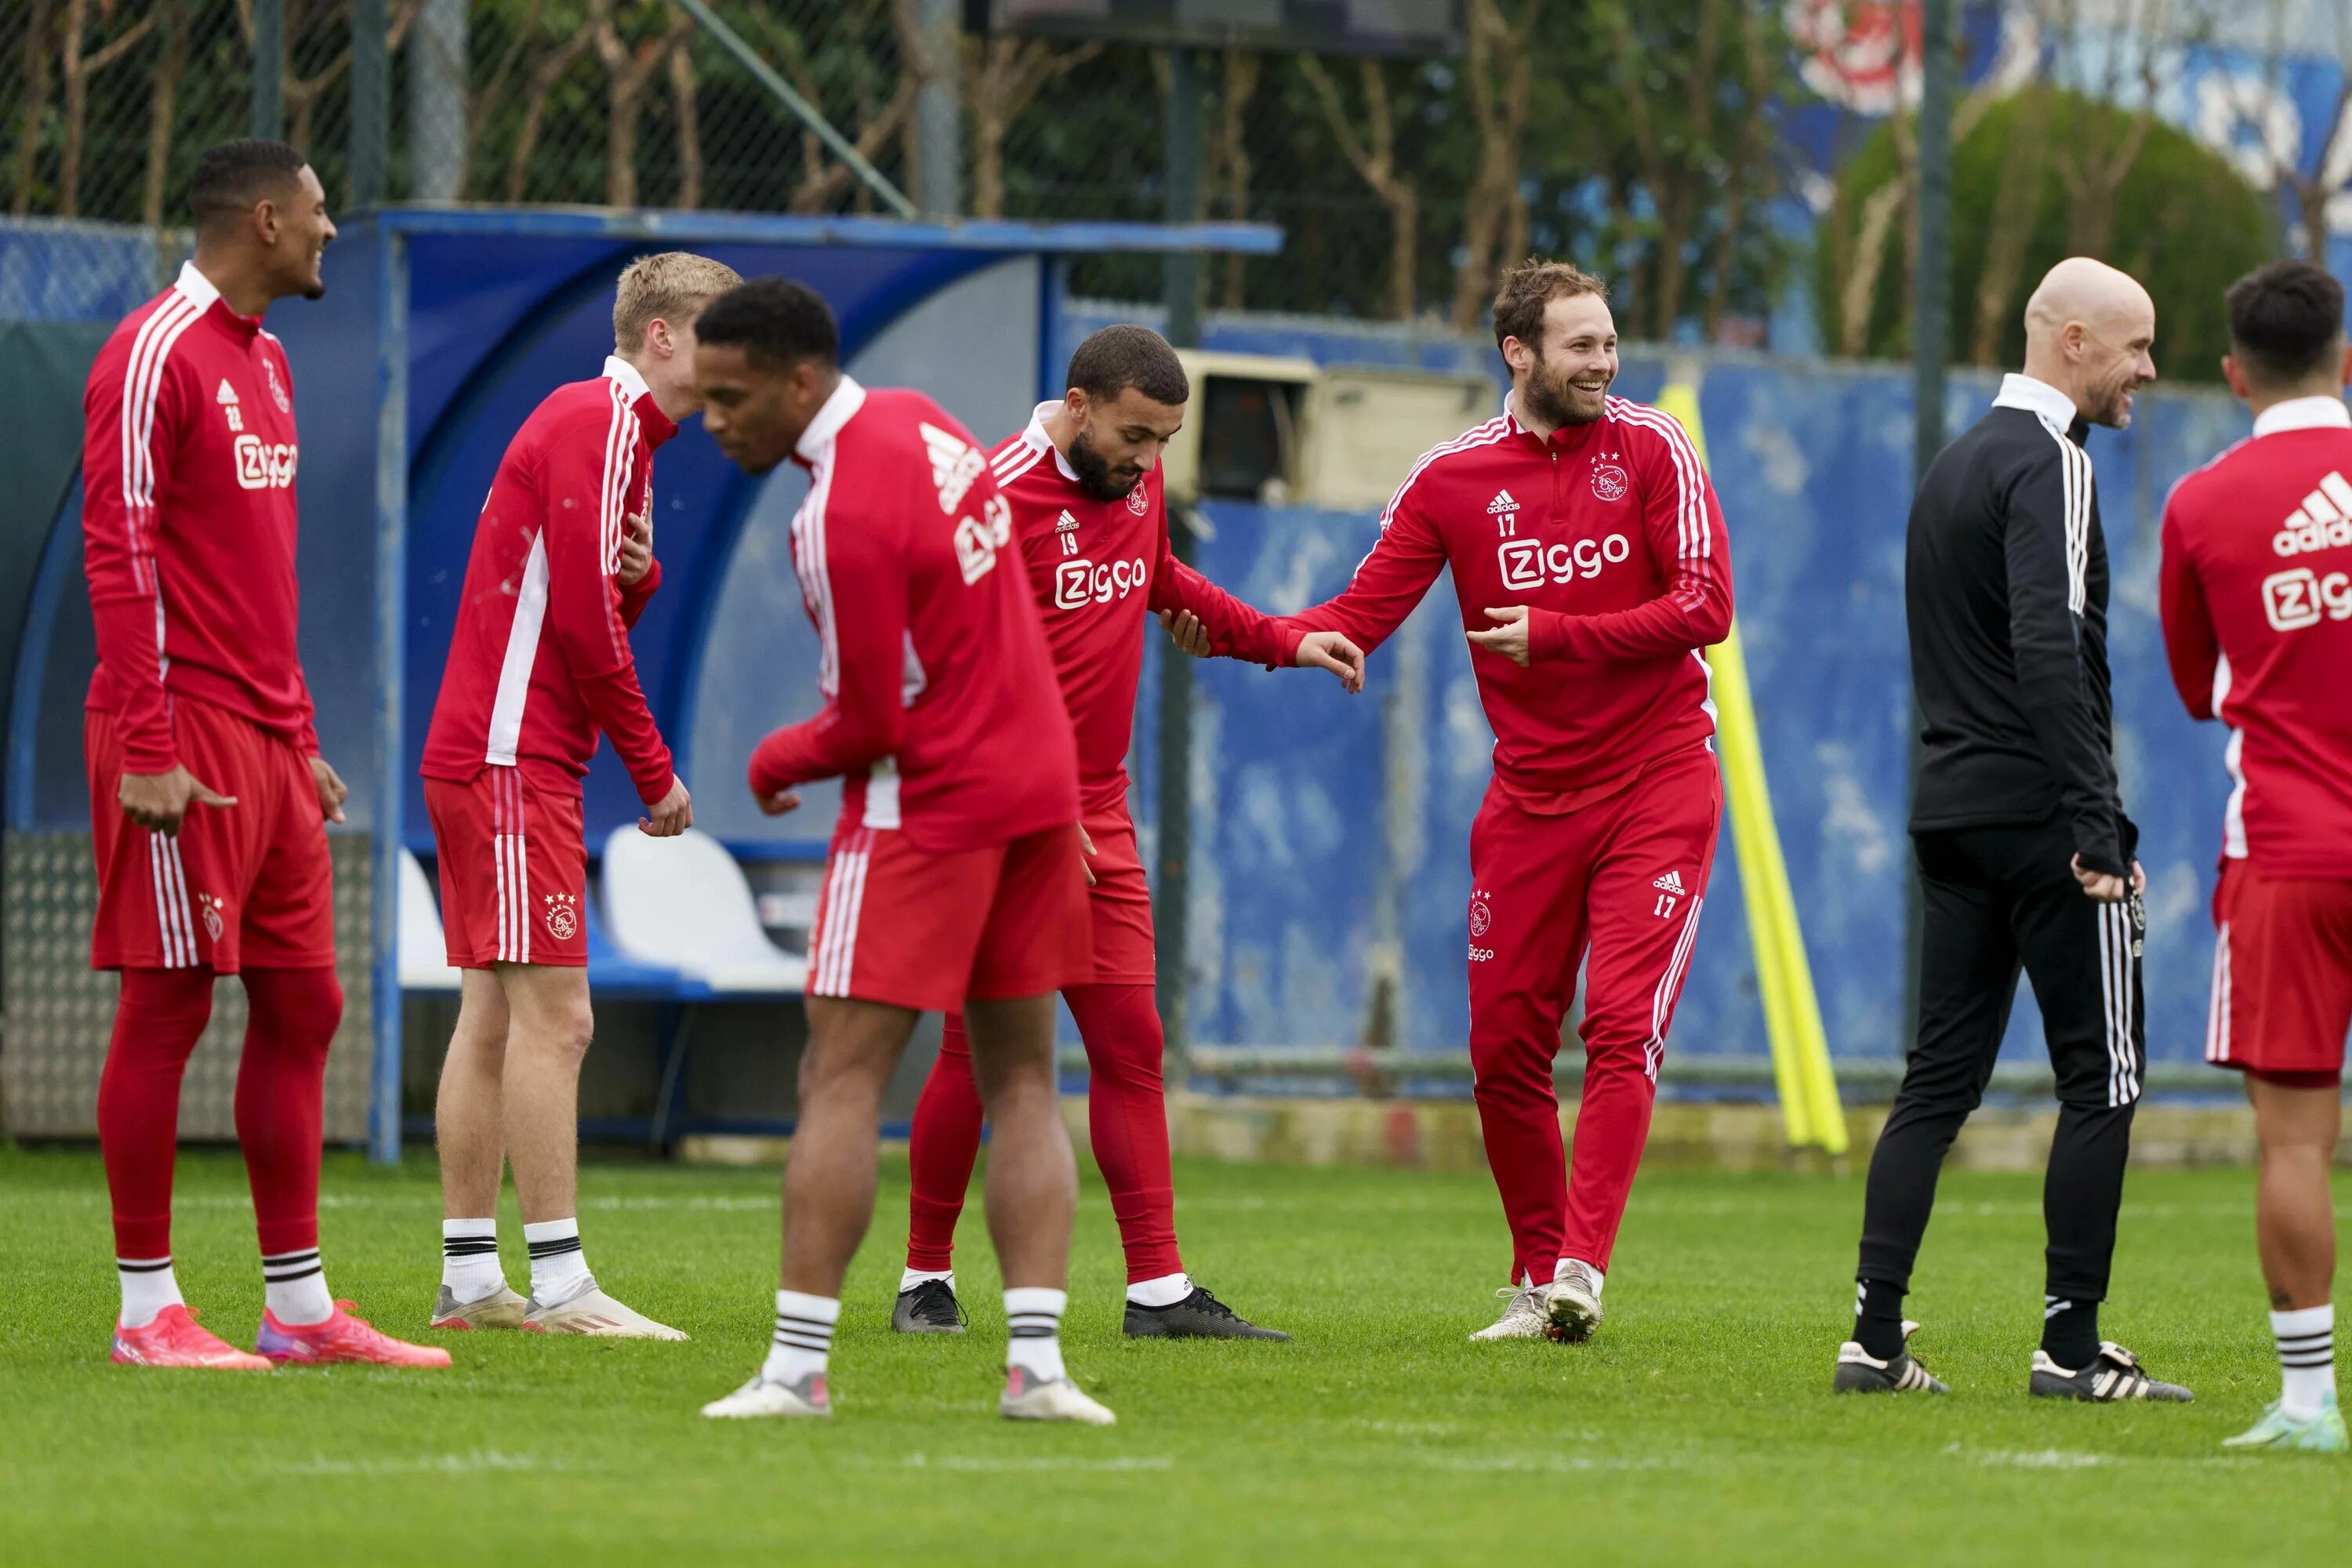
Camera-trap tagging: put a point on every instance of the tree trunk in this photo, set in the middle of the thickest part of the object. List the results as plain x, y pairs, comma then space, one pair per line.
40, 30
627, 68
492, 97
826, 181
543, 77
2026, 160
1756, 94
1373, 156
1005, 74
169, 68
689, 126
1501, 78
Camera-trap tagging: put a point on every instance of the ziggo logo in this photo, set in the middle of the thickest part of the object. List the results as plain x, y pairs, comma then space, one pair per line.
261, 466
1527, 563
1078, 584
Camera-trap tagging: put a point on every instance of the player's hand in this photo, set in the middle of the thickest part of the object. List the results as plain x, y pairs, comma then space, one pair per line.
1185, 630
672, 816
637, 548
2139, 879
1331, 651
332, 791
1509, 638
158, 801
2104, 887
1087, 845
783, 801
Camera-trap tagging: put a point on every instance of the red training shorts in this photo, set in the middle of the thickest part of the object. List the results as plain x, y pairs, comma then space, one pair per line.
929, 929
247, 885
1120, 903
514, 870
2282, 974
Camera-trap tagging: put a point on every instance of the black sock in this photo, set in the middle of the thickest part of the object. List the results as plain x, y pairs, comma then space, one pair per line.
2070, 1332
1878, 1317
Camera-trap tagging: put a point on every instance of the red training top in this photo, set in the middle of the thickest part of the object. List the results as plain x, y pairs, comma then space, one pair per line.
1096, 566
538, 660
2257, 598
188, 523
1610, 533
941, 713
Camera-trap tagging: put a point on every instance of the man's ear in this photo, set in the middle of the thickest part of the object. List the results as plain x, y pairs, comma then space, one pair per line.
1077, 404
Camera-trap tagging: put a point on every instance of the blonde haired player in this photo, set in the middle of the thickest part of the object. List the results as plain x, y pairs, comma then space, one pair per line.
540, 665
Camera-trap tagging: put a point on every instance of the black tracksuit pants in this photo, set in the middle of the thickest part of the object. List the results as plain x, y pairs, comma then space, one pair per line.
1999, 900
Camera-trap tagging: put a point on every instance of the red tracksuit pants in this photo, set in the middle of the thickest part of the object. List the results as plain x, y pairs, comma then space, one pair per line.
1615, 884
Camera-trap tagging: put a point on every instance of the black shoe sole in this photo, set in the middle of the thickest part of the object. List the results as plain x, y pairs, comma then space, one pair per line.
1154, 1329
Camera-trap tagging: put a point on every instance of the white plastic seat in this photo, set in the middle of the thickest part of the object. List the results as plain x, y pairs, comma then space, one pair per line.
424, 953
685, 903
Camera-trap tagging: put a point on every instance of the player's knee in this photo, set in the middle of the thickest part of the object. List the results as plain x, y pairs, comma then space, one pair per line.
297, 1009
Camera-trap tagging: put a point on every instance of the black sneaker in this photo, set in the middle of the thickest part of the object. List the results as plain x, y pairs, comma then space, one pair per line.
1859, 1372
2116, 1373
930, 1308
1199, 1316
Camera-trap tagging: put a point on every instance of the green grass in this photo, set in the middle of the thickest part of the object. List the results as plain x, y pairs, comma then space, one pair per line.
1697, 1428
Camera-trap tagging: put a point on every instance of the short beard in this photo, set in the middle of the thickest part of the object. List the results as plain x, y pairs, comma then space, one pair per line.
2113, 410
1552, 401
1094, 474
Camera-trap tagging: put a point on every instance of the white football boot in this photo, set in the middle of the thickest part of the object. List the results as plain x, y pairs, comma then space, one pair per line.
1028, 1398
760, 1398
1524, 1318
501, 1309
1572, 1305
593, 1313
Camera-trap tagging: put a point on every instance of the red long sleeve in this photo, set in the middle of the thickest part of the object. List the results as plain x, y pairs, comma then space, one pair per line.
2191, 645
1684, 522
1235, 630
586, 609
122, 476
1390, 582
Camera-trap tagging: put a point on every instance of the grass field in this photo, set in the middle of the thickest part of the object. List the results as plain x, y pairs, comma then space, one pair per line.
1697, 1428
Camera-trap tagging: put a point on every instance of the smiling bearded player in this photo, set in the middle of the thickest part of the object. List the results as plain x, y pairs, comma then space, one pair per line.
1083, 483
1589, 553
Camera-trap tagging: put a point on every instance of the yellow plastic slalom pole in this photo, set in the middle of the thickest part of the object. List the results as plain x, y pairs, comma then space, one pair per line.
1793, 1017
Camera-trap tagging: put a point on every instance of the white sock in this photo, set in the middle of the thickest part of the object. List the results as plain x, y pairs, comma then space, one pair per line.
804, 1339
148, 1287
559, 1270
914, 1276
1559, 1271
1033, 1316
1164, 1291
294, 1288
469, 1259
2306, 1349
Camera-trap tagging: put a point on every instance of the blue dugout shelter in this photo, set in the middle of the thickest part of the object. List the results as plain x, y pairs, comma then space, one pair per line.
440, 330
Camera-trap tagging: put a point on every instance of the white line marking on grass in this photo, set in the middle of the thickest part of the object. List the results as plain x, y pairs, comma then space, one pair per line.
1543, 1464
920, 1462
2044, 1459
473, 1460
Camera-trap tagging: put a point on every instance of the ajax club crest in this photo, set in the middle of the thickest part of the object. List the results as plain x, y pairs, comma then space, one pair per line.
563, 916
1608, 481
1136, 502
1481, 917
212, 904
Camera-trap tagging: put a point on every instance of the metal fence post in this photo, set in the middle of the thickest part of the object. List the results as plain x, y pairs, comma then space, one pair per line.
371, 102
391, 641
1930, 357
437, 49
1173, 914
269, 69
939, 115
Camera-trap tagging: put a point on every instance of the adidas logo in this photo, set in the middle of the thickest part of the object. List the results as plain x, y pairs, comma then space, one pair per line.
1501, 504
954, 465
226, 395
1066, 524
1669, 883
2324, 520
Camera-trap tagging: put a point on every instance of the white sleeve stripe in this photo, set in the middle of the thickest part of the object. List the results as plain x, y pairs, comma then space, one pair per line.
2076, 483
1696, 537
1015, 461
816, 582
145, 366
616, 476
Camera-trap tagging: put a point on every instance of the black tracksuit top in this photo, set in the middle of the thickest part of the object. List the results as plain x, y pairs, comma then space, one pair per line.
2005, 591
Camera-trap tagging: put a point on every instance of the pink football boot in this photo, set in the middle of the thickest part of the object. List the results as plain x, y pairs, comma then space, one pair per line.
341, 1338
175, 1340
